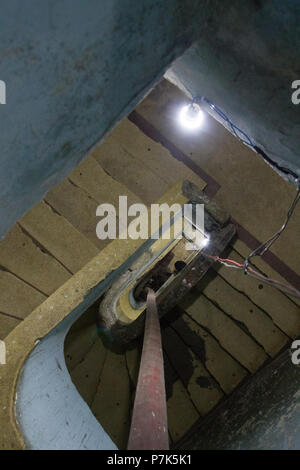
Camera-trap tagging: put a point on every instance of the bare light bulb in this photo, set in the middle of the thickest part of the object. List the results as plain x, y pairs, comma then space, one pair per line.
205, 241
191, 116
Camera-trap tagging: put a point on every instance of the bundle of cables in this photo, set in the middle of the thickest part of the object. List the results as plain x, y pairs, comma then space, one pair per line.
286, 288
260, 251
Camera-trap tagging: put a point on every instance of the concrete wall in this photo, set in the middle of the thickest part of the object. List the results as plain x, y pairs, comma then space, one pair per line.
246, 64
262, 414
73, 69
50, 412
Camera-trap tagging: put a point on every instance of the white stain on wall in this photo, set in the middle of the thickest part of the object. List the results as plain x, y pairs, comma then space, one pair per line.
2, 92
2, 353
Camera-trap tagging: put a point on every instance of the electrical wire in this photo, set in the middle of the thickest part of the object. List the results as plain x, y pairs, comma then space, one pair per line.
261, 249
243, 137
239, 133
286, 288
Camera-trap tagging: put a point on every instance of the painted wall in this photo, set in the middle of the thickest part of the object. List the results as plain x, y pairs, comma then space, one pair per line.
50, 412
246, 65
73, 69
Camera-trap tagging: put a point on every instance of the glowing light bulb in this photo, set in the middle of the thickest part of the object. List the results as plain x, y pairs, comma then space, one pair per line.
191, 116
205, 241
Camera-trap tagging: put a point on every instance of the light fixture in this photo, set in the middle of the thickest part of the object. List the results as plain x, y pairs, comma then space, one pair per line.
205, 241
191, 116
